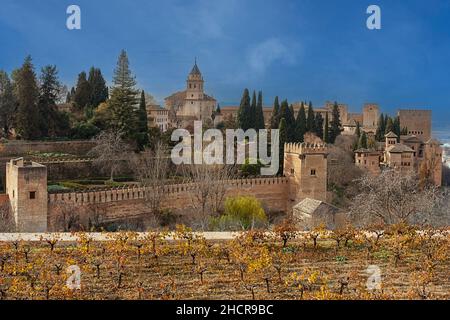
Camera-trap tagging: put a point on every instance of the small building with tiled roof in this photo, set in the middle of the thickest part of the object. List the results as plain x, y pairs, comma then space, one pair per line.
310, 213
368, 160
157, 117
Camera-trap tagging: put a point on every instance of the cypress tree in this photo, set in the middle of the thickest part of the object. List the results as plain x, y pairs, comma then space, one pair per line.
397, 129
326, 134
358, 130
72, 94
381, 128
286, 113
142, 138
389, 126
27, 93
275, 119
362, 143
123, 98
335, 124
252, 113
97, 85
318, 124
404, 131
82, 92
310, 119
259, 113
300, 124
244, 110
283, 140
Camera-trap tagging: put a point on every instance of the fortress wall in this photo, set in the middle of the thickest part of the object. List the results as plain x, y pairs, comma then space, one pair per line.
418, 122
130, 202
21, 148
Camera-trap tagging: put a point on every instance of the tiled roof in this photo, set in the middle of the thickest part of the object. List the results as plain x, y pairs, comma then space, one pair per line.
181, 95
399, 148
313, 206
390, 135
195, 69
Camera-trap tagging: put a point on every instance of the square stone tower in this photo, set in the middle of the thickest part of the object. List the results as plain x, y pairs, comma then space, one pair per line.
370, 116
26, 186
305, 164
418, 122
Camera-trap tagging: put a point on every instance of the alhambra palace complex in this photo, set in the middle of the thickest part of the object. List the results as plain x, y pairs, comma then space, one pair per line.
304, 177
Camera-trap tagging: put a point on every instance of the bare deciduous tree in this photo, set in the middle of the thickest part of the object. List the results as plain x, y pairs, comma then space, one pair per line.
393, 197
209, 183
6, 218
110, 151
151, 167
69, 218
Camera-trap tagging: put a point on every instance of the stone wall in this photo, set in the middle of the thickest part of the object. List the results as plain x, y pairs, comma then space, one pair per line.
418, 123
118, 204
18, 148
21, 148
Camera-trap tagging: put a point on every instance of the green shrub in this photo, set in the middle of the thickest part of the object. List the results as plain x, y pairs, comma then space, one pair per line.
56, 188
84, 130
241, 212
110, 183
248, 169
72, 185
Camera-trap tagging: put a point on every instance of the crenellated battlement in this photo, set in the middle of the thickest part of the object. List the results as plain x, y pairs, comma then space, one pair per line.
65, 160
139, 192
305, 148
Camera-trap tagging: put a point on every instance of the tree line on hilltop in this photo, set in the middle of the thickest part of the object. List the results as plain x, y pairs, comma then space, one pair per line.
293, 126
29, 104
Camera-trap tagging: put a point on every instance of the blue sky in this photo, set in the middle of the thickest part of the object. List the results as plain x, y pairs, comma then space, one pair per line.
301, 50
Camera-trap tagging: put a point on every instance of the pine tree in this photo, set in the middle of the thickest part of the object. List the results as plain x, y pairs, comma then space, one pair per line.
318, 124
259, 113
97, 85
326, 134
7, 103
123, 99
142, 138
300, 124
82, 92
27, 93
218, 111
362, 143
51, 122
275, 119
310, 123
244, 110
283, 139
335, 124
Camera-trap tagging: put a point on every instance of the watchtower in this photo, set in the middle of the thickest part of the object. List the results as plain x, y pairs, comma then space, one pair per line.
26, 186
305, 164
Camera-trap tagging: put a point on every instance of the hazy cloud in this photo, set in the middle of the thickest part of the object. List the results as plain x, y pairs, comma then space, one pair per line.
264, 54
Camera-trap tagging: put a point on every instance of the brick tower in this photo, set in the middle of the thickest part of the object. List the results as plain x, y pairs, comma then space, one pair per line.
26, 186
305, 164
